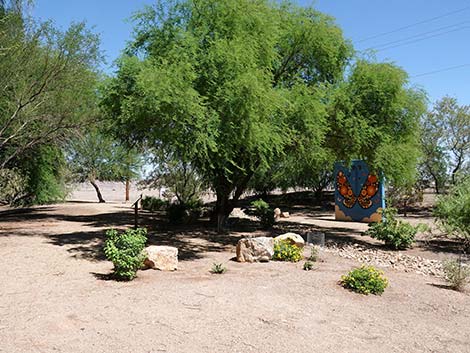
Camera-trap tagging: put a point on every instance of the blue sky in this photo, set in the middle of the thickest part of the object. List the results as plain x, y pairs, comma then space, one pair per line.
446, 45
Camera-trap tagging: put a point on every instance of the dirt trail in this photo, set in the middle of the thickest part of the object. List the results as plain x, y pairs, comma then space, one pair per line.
54, 297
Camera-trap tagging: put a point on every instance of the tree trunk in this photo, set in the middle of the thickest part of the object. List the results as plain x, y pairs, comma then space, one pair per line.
128, 187
98, 192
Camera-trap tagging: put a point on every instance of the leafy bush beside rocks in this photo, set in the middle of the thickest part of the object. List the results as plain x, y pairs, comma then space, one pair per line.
125, 251
393, 232
365, 280
284, 250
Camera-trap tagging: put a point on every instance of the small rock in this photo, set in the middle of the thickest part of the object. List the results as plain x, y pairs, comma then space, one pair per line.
285, 215
277, 213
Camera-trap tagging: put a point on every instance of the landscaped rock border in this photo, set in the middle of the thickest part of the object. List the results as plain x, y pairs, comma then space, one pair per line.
393, 259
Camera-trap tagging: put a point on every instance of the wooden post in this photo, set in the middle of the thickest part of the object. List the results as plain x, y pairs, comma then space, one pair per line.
136, 212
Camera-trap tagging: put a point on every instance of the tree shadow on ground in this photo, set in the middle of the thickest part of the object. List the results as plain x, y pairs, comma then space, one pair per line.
193, 241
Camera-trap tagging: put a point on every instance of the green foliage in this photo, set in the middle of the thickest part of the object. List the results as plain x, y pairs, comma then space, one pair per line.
456, 273
308, 266
448, 129
284, 250
453, 211
395, 233
231, 86
47, 84
313, 254
218, 268
184, 213
179, 179
151, 203
378, 117
44, 169
365, 280
125, 251
264, 213
12, 185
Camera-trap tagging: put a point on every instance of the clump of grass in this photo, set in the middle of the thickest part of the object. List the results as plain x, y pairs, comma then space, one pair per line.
456, 273
218, 268
313, 255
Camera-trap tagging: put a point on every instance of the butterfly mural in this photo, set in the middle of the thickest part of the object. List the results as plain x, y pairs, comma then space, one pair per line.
359, 193
368, 190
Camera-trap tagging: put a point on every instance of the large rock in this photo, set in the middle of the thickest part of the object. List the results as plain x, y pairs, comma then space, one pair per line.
259, 249
293, 238
163, 258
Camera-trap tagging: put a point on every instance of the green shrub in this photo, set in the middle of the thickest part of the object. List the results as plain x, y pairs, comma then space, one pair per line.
264, 213
395, 233
365, 280
308, 266
453, 211
184, 213
218, 268
152, 204
456, 273
284, 250
125, 251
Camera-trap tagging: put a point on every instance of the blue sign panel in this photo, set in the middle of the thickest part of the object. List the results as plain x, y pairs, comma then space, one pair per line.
359, 194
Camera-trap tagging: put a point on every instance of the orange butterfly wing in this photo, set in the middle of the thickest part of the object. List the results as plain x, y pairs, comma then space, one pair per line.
368, 191
345, 190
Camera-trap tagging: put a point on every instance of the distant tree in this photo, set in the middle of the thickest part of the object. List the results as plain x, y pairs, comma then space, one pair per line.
453, 212
96, 156
448, 126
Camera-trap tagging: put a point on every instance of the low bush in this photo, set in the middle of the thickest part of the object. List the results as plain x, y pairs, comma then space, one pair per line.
365, 280
308, 266
218, 268
456, 273
284, 250
264, 213
152, 204
393, 232
184, 213
125, 251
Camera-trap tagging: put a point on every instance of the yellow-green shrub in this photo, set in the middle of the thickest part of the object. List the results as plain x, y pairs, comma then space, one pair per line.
284, 250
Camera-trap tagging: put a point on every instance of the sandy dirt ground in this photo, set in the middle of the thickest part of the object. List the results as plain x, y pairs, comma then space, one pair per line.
56, 296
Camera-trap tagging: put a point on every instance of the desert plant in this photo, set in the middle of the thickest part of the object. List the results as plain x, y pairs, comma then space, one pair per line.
313, 255
453, 212
218, 268
393, 232
284, 250
308, 265
365, 280
263, 212
151, 203
456, 273
125, 251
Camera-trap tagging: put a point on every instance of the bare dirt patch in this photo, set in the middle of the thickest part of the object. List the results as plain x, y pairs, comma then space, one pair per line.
55, 296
